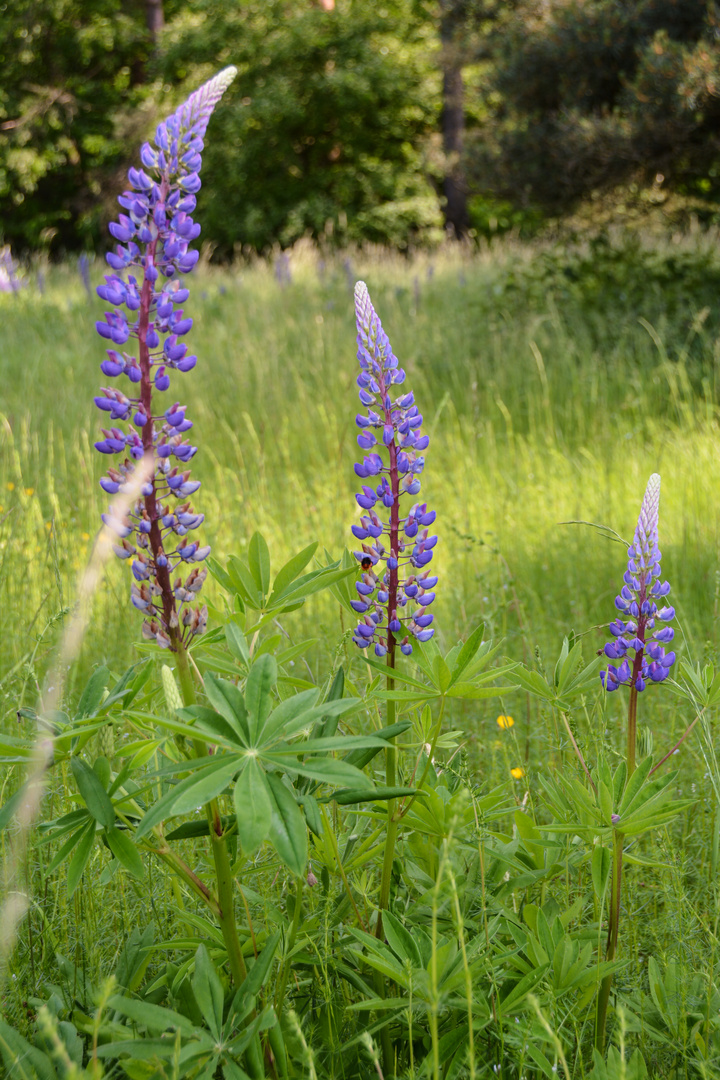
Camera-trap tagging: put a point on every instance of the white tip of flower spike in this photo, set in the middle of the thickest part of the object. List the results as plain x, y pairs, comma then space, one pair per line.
648, 520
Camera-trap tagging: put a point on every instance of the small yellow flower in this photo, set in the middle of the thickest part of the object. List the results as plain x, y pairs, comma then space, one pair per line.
10, 486
505, 722
86, 536
48, 525
517, 773
29, 491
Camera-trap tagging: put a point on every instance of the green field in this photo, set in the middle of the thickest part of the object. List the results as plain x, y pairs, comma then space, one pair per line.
553, 382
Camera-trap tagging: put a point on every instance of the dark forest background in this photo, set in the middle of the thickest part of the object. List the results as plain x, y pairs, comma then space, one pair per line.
388, 121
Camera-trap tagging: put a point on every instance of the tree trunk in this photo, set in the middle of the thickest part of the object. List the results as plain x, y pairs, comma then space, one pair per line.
154, 17
453, 118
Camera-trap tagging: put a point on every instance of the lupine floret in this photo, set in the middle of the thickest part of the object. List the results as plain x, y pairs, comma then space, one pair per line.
638, 607
154, 235
401, 541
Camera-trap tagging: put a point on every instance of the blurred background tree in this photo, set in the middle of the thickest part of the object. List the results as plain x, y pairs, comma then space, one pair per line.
576, 98
354, 120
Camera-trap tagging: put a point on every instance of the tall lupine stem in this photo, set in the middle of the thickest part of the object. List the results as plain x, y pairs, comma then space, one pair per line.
651, 664
401, 542
153, 249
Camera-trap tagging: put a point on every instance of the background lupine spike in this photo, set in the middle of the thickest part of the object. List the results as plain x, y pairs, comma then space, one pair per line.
637, 604
387, 593
154, 235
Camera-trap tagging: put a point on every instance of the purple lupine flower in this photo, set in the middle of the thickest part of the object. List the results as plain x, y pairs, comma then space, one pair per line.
394, 599
638, 606
154, 235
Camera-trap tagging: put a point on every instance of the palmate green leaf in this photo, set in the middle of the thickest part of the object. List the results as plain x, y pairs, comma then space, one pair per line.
258, 695
291, 570
525, 986
259, 562
401, 940
208, 992
213, 777
190, 830
653, 816
397, 673
325, 769
288, 832
243, 583
312, 583
533, 683
205, 787
467, 652
152, 1017
227, 700
209, 723
92, 695
349, 796
258, 973
80, 858
305, 720
253, 808
23, 1061
236, 642
125, 852
286, 712
362, 757
93, 793
71, 842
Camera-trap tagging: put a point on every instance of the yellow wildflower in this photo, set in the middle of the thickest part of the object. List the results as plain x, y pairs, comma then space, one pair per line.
29, 491
86, 536
517, 773
505, 722
10, 486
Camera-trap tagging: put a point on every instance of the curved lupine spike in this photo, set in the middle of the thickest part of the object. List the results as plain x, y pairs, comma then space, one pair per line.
634, 631
390, 427
154, 234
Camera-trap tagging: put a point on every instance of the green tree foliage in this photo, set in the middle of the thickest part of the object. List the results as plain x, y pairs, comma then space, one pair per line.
585, 95
325, 125
71, 71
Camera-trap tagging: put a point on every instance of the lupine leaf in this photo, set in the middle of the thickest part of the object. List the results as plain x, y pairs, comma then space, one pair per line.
259, 562
467, 652
226, 699
164, 807
61, 855
258, 694
348, 796
236, 642
327, 770
125, 852
154, 1017
94, 795
253, 808
244, 583
288, 831
91, 696
208, 786
290, 571
80, 857
208, 991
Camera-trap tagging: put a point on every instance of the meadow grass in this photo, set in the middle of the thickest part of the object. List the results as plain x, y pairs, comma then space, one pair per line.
554, 384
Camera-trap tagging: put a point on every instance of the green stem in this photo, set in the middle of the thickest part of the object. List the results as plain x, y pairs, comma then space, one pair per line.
612, 940
221, 856
386, 878
632, 730
280, 1000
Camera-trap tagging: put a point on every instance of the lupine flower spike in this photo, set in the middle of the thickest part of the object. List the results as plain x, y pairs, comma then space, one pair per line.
641, 628
154, 236
396, 587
